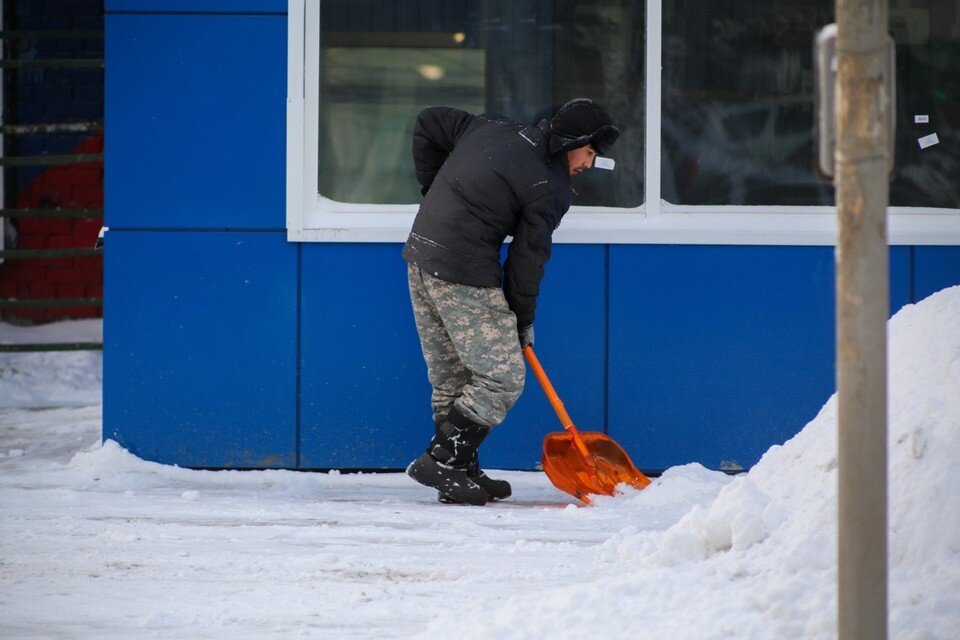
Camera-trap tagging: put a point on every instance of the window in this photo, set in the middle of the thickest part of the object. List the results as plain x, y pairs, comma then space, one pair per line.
927, 33
715, 102
370, 97
738, 102
382, 62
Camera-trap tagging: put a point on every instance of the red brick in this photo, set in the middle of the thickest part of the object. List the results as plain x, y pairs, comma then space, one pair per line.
8, 288
87, 195
25, 271
65, 275
14, 278
62, 242
69, 198
31, 241
26, 226
70, 290
76, 187
53, 263
79, 185
45, 197
62, 274
89, 264
42, 290
87, 229
82, 174
43, 225
59, 226
93, 144
89, 270
31, 315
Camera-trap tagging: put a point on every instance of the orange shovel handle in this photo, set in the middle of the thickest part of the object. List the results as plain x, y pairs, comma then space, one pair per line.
555, 401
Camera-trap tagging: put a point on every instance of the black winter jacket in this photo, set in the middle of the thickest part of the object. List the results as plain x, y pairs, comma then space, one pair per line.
486, 178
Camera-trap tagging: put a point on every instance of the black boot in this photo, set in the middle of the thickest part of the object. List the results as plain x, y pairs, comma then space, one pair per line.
445, 463
496, 489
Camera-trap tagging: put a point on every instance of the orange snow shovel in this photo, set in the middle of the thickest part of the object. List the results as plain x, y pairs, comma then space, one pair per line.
582, 463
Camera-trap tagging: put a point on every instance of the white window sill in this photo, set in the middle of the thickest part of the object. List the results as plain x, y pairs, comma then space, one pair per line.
339, 222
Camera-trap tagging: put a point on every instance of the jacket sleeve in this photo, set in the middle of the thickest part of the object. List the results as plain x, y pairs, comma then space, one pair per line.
528, 254
435, 134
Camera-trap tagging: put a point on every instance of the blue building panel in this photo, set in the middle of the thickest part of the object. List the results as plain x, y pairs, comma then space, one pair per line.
228, 346
365, 399
364, 394
717, 352
901, 277
935, 268
196, 106
200, 347
196, 6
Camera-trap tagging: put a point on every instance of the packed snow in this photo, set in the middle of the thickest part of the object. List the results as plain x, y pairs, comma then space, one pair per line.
95, 543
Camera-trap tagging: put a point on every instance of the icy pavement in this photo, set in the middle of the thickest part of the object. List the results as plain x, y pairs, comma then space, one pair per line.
98, 544
95, 543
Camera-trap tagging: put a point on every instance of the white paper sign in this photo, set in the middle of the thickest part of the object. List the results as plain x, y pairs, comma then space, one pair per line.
928, 141
604, 163
921, 119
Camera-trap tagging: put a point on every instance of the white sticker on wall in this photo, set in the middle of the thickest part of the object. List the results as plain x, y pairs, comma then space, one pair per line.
928, 141
921, 119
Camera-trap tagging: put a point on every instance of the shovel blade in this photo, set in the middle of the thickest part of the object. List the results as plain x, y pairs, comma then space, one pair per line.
598, 473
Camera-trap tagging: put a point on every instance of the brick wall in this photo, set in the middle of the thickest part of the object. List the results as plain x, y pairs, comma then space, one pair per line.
68, 187
49, 96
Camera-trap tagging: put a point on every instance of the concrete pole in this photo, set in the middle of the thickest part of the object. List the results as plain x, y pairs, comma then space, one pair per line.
863, 104
3, 121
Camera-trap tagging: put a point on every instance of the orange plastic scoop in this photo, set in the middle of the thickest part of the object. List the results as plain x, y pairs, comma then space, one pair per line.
582, 463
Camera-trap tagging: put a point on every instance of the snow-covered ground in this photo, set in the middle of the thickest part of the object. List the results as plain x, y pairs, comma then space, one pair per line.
95, 543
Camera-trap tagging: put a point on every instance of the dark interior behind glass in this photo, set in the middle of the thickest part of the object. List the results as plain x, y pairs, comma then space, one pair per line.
384, 61
738, 102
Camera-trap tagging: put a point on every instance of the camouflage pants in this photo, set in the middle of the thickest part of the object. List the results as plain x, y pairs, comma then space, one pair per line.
470, 344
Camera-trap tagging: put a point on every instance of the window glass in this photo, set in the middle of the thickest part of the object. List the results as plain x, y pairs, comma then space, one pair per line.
366, 129
382, 62
927, 33
738, 102
599, 53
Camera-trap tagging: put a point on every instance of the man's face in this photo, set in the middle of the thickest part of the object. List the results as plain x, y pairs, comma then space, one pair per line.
580, 159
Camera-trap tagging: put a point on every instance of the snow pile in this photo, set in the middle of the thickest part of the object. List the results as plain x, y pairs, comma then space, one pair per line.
110, 467
674, 493
760, 559
95, 542
41, 380
791, 493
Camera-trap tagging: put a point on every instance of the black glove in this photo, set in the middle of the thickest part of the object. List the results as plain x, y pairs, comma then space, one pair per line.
526, 336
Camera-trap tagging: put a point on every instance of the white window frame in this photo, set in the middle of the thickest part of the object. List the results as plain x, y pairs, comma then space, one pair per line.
312, 217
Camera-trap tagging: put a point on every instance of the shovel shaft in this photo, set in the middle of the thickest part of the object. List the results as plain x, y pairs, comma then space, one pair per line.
555, 402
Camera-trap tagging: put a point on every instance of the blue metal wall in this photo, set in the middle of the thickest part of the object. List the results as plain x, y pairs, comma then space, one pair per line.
227, 346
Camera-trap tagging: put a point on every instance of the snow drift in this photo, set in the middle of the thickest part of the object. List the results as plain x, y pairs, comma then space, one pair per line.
42, 380
760, 559
97, 543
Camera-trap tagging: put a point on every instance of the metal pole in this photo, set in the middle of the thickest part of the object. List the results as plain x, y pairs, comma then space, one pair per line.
3, 122
862, 168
